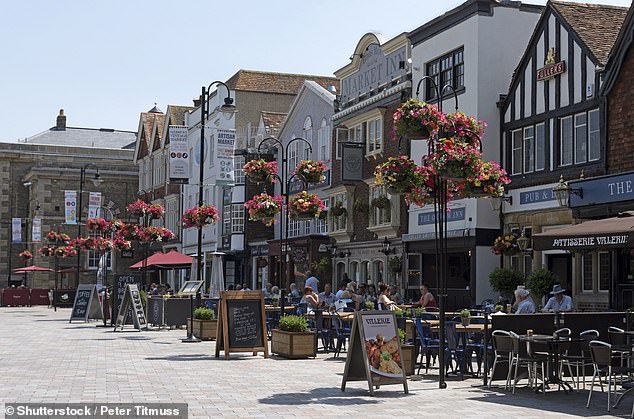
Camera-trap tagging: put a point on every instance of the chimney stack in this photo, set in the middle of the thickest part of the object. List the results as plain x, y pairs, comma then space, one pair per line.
61, 121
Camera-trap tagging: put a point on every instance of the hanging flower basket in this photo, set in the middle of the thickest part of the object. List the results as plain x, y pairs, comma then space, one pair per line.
416, 119
155, 234
398, 174
264, 207
466, 128
338, 210
89, 243
311, 171
305, 205
488, 181
121, 244
382, 202
97, 224
259, 170
128, 232
26, 255
506, 245
200, 216
55, 237
455, 160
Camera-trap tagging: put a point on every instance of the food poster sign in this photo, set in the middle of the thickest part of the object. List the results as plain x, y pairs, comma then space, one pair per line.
375, 351
382, 345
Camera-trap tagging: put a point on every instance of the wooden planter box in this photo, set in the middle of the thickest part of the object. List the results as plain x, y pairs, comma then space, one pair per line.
409, 358
294, 344
204, 329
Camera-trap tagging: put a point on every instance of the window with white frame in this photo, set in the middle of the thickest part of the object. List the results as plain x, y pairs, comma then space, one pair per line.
238, 173
445, 70
339, 223
587, 272
293, 155
307, 228
374, 141
595, 271
226, 220
321, 225
294, 227
237, 218
323, 137
580, 138
378, 216
528, 149
308, 129
95, 257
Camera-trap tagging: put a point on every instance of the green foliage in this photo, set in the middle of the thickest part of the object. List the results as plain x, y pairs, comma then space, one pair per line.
499, 307
418, 312
369, 305
401, 335
202, 313
395, 263
505, 280
381, 202
399, 313
322, 266
338, 210
293, 324
541, 282
465, 314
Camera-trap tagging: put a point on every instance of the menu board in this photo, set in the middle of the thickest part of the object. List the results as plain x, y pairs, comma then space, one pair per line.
375, 351
131, 302
86, 305
245, 322
241, 323
122, 282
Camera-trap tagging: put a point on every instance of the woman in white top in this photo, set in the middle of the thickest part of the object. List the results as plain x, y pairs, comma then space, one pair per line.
384, 299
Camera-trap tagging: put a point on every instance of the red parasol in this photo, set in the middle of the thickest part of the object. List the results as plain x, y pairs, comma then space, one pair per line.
72, 269
168, 260
33, 269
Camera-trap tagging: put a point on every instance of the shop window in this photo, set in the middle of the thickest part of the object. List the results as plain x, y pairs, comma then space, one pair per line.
414, 271
604, 271
446, 70
587, 268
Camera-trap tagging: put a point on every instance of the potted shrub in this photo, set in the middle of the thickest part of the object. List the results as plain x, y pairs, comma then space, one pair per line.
205, 324
409, 354
465, 317
505, 281
369, 305
396, 264
293, 339
541, 282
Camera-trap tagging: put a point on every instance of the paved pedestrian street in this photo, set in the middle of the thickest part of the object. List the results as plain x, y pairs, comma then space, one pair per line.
43, 358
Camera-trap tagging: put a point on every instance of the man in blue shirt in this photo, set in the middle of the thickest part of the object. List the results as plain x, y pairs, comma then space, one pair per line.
312, 282
524, 304
558, 302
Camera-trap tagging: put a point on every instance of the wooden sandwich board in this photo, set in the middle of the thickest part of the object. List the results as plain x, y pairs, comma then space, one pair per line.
131, 299
372, 354
86, 305
241, 323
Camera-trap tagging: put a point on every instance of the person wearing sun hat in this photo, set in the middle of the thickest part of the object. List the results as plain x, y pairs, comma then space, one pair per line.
558, 302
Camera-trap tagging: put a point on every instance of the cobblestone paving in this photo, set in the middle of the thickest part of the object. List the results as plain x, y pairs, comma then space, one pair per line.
43, 358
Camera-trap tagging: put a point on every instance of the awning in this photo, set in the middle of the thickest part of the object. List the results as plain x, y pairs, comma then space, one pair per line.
32, 269
170, 260
609, 233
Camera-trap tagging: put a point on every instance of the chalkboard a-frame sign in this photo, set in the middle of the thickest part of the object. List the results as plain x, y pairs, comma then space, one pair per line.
131, 299
241, 323
86, 305
374, 352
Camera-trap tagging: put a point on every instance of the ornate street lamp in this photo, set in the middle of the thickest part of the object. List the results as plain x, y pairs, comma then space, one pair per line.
563, 191
386, 247
96, 180
524, 242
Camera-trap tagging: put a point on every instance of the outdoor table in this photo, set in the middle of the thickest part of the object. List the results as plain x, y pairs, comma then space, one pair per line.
460, 328
554, 350
269, 308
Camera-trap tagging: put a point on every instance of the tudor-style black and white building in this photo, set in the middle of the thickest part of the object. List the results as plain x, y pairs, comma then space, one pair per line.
553, 126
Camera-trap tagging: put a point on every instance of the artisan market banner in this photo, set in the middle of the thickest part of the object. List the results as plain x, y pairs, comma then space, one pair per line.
225, 144
16, 230
70, 207
36, 230
179, 154
94, 203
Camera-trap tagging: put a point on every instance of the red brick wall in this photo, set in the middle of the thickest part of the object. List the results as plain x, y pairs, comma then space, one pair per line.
620, 138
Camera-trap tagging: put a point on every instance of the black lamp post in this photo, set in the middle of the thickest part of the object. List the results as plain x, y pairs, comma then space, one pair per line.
285, 182
227, 108
386, 247
105, 303
96, 181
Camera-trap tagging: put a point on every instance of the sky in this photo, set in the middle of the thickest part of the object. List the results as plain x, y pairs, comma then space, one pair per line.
104, 62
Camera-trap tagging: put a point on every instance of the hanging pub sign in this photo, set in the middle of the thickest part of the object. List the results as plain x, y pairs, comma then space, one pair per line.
179, 154
552, 68
352, 161
375, 353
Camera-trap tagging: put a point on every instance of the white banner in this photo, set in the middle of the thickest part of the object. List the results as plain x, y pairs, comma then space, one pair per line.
70, 207
179, 154
36, 230
94, 203
16, 230
225, 143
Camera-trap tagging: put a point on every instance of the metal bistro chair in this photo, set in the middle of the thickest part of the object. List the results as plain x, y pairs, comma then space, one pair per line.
503, 353
323, 334
605, 364
427, 347
523, 354
578, 356
342, 333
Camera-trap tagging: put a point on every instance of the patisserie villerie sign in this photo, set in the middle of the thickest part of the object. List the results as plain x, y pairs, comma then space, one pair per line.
375, 351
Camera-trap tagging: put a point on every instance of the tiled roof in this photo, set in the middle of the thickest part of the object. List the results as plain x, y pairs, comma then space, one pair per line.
597, 25
273, 121
176, 114
84, 137
160, 121
260, 81
146, 122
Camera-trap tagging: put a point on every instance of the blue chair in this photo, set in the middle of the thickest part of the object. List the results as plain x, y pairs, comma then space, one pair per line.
342, 333
302, 309
427, 347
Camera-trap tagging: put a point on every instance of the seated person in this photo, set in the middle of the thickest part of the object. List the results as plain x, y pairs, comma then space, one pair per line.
342, 289
558, 302
384, 299
327, 297
294, 293
426, 297
310, 297
267, 290
524, 304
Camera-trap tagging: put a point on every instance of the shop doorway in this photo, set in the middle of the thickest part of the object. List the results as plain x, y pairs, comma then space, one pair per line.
561, 266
